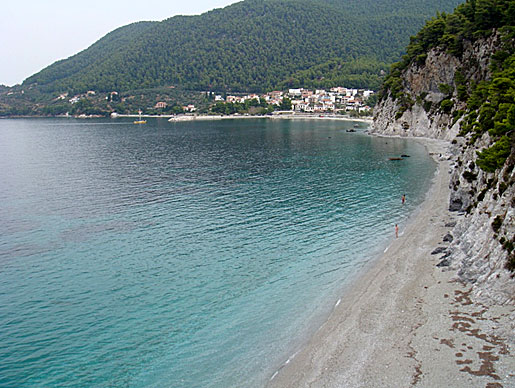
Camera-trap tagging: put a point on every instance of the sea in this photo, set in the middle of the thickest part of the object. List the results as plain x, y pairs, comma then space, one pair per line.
195, 254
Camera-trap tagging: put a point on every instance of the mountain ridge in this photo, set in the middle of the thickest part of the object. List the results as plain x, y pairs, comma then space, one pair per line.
253, 45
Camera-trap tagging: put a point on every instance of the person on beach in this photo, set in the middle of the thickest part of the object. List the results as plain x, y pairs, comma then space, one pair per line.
403, 198
396, 231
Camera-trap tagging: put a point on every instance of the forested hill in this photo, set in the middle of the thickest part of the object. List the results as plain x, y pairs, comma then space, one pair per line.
253, 45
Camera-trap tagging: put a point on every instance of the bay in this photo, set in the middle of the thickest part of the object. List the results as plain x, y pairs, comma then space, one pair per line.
196, 254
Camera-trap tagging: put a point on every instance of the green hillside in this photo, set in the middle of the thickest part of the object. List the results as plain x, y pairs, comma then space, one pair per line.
254, 45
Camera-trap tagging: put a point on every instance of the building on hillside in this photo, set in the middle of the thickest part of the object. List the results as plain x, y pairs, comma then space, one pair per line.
161, 105
233, 99
276, 94
367, 93
295, 92
295, 104
306, 93
306, 108
253, 97
328, 106
339, 90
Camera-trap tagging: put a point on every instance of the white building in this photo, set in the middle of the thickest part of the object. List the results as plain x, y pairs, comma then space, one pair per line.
367, 93
295, 92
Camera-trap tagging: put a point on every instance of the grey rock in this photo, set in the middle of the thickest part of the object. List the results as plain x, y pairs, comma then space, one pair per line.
439, 250
451, 224
455, 205
448, 238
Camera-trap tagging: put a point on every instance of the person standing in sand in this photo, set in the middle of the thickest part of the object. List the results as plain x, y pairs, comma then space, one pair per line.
403, 198
396, 231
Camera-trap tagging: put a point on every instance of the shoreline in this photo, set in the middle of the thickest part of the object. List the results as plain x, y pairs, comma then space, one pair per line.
403, 321
178, 119
293, 116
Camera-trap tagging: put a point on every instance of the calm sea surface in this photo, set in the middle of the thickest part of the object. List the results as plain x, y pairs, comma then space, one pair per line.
197, 254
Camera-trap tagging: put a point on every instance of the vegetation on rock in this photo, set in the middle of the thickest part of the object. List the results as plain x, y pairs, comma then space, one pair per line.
490, 103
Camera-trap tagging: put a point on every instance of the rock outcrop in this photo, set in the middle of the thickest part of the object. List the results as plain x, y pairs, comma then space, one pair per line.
484, 202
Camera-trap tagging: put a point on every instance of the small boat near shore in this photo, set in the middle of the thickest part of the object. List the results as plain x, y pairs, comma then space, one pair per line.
140, 121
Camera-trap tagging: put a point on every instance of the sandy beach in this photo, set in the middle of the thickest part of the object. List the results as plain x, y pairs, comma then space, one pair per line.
406, 322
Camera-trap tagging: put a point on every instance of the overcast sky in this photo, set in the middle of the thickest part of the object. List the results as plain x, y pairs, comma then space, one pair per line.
36, 33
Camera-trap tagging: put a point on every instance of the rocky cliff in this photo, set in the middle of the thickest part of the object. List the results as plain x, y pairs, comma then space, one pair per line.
424, 87
433, 98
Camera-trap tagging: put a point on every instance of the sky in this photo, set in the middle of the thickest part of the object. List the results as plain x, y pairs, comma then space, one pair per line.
36, 33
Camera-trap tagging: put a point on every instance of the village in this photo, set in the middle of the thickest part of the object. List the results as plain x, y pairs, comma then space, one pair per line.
336, 100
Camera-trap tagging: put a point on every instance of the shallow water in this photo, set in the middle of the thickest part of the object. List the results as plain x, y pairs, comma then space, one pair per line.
187, 254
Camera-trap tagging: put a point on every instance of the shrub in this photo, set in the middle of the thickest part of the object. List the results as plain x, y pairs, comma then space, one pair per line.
494, 157
482, 194
445, 89
502, 187
469, 176
446, 105
510, 265
497, 223
461, 86
421, 59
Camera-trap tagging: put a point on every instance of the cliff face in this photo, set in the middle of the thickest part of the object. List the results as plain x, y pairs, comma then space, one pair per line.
483, 202
439, 68
423, 85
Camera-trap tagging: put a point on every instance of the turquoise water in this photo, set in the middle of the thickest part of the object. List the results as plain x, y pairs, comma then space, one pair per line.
188, 254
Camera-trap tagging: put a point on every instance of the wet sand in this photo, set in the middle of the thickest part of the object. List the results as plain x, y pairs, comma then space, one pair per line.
406, 322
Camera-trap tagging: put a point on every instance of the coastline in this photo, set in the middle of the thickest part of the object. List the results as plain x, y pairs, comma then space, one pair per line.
404, 321
293, 116
186, 118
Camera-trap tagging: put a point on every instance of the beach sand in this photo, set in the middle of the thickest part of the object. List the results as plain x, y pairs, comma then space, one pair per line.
406, 322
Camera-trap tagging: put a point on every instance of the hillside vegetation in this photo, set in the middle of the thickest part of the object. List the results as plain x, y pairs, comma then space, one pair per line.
254, 45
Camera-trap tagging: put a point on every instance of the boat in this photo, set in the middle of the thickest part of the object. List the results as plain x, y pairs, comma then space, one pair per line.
140, 121
394, 158
351, 130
